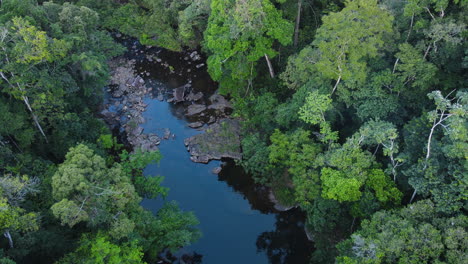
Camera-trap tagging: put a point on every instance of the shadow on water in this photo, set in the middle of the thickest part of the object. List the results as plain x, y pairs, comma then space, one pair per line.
238, 222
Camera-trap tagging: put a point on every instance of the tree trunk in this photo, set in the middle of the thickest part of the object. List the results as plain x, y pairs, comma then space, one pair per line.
412, 196
298, 21
26, 102
270, 67
8, 235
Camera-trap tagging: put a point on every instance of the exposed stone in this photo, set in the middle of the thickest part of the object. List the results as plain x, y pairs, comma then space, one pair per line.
195, 109
220, 140
195, 56
198, 66
219, 103
195, 124
193, 97
160, 97
277, 205
179, 93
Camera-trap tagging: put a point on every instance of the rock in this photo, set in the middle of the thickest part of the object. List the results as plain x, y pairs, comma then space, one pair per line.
216, 170
195, 56
109, 117
118, 35
220, 140
195, 124
158, 60
154, 139
211, 120
195, 109
277, 205
160, 97
194, 97
198, 66
136, 131
179, 93
219, 103
167, 133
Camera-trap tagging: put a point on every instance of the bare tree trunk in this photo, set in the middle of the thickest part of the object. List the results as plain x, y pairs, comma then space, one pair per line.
298, 21
411, 28
270, 67
26, 102
412, 196
336, 84
36, 121
395, 65
8, 235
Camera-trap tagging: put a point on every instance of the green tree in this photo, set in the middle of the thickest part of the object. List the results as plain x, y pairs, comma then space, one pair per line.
415, 234
86, 190
13, 218
347, 38
239, 33
101, 250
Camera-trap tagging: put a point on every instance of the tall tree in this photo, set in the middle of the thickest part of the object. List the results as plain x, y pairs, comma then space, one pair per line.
239, 33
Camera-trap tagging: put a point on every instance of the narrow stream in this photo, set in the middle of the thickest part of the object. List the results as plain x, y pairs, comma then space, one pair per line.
238, 223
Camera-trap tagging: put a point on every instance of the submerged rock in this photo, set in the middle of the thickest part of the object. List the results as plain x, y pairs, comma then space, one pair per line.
220, 140
216, 170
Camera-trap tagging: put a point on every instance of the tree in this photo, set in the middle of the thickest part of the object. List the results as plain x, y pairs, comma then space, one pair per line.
86, 190
347, 38
239, 33
440, 171
415, 234
313, 112
101, 250
13, 191
22, 47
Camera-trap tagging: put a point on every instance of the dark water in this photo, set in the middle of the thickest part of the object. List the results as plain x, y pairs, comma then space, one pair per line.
238, 223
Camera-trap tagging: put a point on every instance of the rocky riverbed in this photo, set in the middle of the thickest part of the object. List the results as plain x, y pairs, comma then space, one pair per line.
205, 111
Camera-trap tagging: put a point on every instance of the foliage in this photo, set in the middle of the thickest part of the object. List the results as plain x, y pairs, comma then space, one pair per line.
239, 33
100, 249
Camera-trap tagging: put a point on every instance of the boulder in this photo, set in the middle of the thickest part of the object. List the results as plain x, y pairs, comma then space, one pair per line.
220, 140
194, 96
219, 103
195, 124
195, 109
179, 93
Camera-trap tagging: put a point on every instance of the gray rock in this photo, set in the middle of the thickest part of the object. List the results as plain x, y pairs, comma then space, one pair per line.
219, 103
195, 56
195, 124
195, 109
167, 133
220, 140
194, 96
179, 93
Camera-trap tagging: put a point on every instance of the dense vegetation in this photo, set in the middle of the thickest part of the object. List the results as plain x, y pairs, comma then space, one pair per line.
354, 110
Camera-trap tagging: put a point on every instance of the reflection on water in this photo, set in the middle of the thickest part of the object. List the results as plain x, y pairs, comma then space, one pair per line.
238, 222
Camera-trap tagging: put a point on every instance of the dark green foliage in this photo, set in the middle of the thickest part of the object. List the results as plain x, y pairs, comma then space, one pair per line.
369, 112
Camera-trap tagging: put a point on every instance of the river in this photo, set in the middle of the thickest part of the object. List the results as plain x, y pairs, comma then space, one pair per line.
238, 223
